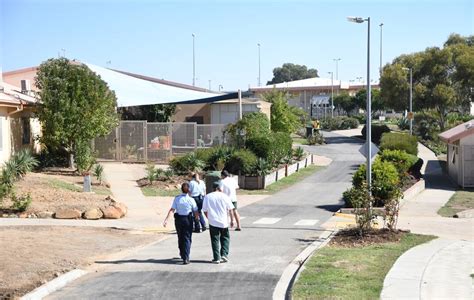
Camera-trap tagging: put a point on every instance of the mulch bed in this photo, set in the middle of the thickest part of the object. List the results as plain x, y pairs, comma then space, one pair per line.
171, 184
351, 238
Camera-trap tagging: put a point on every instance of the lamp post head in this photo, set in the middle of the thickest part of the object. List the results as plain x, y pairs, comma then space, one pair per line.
193, 35
356, 19
381, 24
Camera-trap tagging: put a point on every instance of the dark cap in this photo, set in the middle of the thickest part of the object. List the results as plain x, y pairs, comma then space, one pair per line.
217, 184
225, 173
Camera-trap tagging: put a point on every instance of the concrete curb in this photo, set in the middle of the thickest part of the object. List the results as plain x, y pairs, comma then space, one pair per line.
54, 285
290, 274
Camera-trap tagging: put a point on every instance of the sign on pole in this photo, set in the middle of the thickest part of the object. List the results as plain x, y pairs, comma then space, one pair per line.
374, 150
410, 115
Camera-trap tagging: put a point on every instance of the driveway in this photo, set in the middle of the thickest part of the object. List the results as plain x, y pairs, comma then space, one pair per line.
275, 231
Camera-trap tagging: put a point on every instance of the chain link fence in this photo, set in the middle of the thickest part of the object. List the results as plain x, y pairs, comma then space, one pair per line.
140, 141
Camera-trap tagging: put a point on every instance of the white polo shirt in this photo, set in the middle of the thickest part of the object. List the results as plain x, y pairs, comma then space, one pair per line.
229, 187
217, 205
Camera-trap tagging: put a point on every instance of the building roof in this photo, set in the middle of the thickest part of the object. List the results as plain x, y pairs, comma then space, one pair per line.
455, 134
312, 83
11, 95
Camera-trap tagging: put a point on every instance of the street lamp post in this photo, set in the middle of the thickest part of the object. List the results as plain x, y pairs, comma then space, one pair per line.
259, 74
411, 99
194, 63
332, 94
220, 87
337, 67
369, 106
380, 68
209, 84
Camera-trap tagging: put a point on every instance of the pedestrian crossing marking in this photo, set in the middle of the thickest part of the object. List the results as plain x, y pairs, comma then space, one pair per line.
306, 222
267, 221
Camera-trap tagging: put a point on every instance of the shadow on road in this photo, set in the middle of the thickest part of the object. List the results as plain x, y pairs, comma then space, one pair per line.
342, 140
168, 261
331, 207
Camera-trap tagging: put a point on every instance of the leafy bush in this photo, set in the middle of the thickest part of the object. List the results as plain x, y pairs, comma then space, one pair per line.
99, 172
399, 141
17, 166
262, 167
242, 160
168, 174
21, 203
150, 172
315, 139
339, 123
219, 157
204, 154
261, 145
385, 180
186, 164
252, 124
52, 158
281, 144
358, 198
273, 147
298, 153
377, 132
426, 125
400, 159
403, 123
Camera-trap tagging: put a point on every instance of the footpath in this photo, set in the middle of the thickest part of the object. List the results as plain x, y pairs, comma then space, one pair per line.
442, 268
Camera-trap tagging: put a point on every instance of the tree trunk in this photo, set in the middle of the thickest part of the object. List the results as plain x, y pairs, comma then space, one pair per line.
71, 160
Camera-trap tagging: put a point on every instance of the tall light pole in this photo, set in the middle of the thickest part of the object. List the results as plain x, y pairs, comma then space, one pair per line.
220, 87
209, 84
337, 67
259, 74
369, 106
380, 68
194, 63
332, 94
411, 99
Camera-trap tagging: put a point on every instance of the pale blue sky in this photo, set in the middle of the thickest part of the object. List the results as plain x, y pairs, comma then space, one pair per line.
154, 37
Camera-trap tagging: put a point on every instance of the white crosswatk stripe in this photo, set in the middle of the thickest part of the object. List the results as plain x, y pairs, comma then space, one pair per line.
306, 222
267, 221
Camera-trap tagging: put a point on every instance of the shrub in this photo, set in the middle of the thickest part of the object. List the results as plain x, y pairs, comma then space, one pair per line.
385, 180
204, 154
25, 161
186, 164
262, 167
377, 131
84, 157
400, 159
399, 141
168, 174
242, 160
358, 198
261, 145
52, 158
339, 123
316, 138
21, 203
150, 172
219, 157
99, 172
281, 146
298, 153
252, 124
273, 147
403, 123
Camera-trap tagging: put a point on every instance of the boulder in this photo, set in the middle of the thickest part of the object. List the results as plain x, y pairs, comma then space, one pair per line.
112, 212
122, 207
45, 214
465, 214
92, 214
68, 214
23, 215
111, 199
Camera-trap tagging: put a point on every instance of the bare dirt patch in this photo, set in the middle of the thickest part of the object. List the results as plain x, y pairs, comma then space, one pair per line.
50, 192
33, 255
351, 237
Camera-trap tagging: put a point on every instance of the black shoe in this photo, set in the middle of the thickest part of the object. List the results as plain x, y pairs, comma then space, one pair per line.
204, 229
186, 262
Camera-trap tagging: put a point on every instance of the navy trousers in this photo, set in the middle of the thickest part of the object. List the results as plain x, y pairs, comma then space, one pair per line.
184, 228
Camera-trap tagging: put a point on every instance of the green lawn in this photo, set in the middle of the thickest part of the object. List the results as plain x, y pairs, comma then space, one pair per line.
300, 141
64, 185
149, 191
460, 201
336, 272
283, 183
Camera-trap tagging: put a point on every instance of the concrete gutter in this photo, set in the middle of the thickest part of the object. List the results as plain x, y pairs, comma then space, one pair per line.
290, 274
54, 285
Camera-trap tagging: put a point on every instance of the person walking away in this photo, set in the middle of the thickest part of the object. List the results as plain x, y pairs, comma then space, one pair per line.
183, 208
197, 190
229, 187
217, 207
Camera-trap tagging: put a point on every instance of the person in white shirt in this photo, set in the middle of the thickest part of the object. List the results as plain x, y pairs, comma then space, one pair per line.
197, 190
229, 187
217, 207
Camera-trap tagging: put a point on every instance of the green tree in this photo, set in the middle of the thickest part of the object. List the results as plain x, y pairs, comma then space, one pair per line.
75, 107
283, 118
360, 100
151, 113
291, 72
345, 102
442, 78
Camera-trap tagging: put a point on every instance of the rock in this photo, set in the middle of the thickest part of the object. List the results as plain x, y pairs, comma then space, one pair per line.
122, 207
23, 215
68, 214
111, 199
107, 185
112, 212
92, 214
178, 186
32, 216
45, 215
12, 216
465, 214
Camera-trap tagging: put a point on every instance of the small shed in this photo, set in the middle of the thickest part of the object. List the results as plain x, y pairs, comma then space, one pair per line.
460, 155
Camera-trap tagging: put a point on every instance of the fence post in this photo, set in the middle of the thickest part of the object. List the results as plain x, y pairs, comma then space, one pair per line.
195, 136
118, 154
145, 141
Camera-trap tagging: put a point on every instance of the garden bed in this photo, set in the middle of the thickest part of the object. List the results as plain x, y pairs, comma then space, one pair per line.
351, 267
162, 188
53, 191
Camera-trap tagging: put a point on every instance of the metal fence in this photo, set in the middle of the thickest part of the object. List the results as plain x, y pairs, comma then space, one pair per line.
142, 141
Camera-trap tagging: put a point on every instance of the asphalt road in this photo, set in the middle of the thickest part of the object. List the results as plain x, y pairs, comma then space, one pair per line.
275, 231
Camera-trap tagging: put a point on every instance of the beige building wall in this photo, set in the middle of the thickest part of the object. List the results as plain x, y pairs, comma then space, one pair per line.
184, 111
15, 77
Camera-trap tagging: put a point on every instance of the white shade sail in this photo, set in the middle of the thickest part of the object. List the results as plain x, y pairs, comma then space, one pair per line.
132, 91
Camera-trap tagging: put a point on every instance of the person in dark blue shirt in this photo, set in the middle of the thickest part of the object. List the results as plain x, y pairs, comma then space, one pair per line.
183, 208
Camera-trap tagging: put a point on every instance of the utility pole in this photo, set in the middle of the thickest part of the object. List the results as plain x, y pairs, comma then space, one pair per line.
259, 74
194, 63
380, 68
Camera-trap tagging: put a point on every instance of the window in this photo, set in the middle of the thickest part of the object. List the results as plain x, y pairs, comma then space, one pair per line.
26, 136
197, 119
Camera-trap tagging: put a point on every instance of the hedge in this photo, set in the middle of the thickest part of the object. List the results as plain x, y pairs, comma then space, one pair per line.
377, 131
339, 123
399, 141
273, 147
